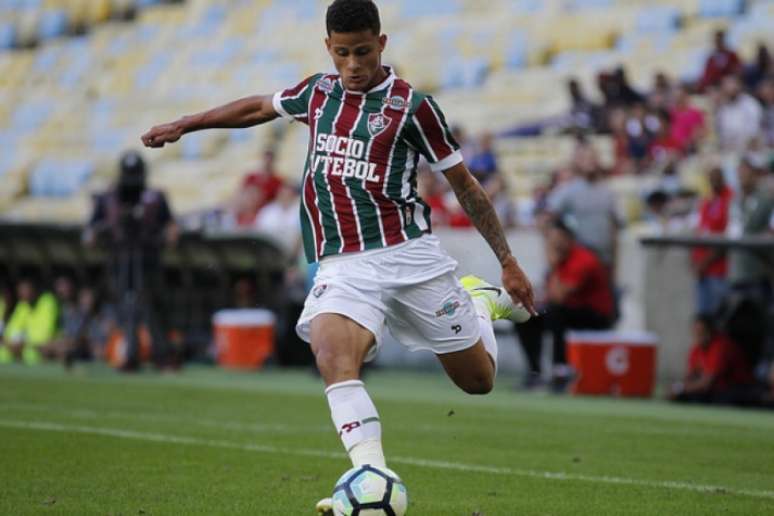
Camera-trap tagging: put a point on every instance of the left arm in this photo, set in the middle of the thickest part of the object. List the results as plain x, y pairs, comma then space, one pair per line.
479, 209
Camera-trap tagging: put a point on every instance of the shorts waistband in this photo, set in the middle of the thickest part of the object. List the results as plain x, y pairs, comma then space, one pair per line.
361, 255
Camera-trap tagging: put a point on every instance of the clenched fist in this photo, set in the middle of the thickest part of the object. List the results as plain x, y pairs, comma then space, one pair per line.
162, 134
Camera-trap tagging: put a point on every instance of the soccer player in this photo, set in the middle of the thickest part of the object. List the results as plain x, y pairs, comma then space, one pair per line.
363, 221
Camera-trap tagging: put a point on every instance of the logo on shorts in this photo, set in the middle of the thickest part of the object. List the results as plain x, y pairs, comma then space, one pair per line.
377, 123
448, 309
319, 290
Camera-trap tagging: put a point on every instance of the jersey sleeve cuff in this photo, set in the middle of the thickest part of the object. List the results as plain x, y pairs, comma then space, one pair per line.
276, 102
455, 158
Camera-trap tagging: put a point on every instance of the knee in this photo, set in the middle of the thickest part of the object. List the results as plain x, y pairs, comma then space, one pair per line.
334, 365
478, 385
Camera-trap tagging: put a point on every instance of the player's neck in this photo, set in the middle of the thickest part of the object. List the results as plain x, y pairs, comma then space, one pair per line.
379, 78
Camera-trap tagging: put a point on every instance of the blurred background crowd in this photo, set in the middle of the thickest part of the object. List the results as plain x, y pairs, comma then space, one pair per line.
657, 119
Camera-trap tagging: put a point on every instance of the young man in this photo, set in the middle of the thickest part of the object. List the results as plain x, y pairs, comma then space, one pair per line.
364, 222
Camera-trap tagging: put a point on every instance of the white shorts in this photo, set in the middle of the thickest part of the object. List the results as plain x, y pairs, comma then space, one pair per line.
410, 287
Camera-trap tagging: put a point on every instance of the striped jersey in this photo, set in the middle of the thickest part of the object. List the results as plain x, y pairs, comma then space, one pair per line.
359, 186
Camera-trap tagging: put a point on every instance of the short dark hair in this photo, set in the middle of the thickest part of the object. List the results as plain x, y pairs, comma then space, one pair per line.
353, 16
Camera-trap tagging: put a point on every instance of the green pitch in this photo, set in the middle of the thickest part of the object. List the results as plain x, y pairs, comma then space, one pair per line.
208, 442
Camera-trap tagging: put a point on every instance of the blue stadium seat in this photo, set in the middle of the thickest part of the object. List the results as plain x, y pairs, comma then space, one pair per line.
655, 19
148, 74
30, 116
527, 6
7, 36
464, 73
720, 8
413, 8
517, 51
579, 5
58, 178
52, 24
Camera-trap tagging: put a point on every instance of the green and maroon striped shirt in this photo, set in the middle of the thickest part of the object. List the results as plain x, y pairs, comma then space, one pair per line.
359, 188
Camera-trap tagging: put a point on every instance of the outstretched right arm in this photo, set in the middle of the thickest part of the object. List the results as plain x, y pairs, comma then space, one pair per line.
246, 112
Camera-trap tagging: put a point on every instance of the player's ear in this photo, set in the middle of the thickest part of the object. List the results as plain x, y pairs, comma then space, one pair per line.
328, 44
382, 42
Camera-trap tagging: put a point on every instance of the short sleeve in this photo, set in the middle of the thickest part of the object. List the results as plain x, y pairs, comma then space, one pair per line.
428, 132
293, 102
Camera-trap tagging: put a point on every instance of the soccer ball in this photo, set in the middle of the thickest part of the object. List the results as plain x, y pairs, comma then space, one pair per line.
369, 491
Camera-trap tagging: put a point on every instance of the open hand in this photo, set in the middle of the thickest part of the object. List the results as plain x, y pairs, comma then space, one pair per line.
162, 134
518, 286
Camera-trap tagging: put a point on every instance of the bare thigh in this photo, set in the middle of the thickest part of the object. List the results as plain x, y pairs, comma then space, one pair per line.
471, 369
340, 346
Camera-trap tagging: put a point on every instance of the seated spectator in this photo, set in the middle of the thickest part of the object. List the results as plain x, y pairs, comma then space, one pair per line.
759, 69
766, 96
711, 265
721, 63
618, 91
241, 212
641, 127
664, 147
84, 331
33, 324
718, 371
688, 125
661, 97
578, 296
265, 179
622, 158
279, 220
739, 117
584, 114
591, 204
483, 164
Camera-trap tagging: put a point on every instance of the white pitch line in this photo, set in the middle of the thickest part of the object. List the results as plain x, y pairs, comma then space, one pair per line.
434, 464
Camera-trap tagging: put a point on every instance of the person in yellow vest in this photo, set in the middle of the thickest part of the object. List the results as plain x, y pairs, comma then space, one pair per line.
33, 323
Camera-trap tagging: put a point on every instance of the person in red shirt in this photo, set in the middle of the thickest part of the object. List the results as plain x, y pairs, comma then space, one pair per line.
688, 124
265, 179
578, 296
718, 370
722, 62
711, 265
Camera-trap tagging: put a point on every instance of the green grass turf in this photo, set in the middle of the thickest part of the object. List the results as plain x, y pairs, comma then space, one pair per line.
211, 442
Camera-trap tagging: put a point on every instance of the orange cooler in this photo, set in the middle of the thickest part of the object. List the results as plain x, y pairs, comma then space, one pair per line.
244, 338
617, 363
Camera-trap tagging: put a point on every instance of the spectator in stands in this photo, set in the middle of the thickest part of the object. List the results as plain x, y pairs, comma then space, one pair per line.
766, 96
135, 223
664, 148
33, 323
662, 95
497, 188
584, 114
279, 220
641, 127
718, 370
242, 211
739, 117
433, 191
622, 159
622, 92
589, 202
759, 69
711, 265
722, 62
578, 296
265, 179
483, 164
688, 125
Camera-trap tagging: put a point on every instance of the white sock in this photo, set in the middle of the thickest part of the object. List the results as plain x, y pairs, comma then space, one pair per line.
488, 337
357, 422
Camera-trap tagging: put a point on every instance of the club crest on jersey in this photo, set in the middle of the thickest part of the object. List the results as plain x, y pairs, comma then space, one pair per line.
325, 85
377, 123
395, 102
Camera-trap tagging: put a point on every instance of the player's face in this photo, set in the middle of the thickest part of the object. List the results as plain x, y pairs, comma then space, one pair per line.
357, 57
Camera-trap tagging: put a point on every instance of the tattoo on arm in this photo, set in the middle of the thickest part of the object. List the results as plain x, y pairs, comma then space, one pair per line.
478, 207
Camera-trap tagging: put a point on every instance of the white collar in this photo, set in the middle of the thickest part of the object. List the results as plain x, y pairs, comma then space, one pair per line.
386, 83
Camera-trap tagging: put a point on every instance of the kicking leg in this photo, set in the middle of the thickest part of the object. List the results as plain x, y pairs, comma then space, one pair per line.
340, 346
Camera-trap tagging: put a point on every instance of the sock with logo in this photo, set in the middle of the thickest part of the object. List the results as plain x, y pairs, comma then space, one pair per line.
357, 422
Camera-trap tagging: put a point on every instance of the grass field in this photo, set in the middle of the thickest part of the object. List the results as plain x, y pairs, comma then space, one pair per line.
211, 442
